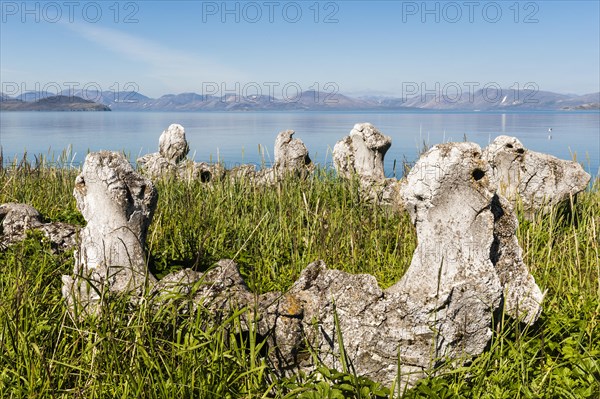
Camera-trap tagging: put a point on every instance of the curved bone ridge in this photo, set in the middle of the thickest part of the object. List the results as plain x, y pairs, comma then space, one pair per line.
466, 264
467, 261
539, 181
118, 205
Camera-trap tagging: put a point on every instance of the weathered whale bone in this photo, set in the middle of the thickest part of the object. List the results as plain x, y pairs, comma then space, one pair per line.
361, 154
466, 264
170, 160
291, 157
118, 205
16, 219
539, 181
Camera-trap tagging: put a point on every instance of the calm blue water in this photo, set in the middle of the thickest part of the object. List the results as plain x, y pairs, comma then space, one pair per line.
248, 137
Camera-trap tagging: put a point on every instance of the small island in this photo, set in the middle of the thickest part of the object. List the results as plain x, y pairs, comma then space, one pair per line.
53, 103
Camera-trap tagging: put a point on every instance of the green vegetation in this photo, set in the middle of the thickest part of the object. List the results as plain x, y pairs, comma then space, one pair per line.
53, 103
273, 233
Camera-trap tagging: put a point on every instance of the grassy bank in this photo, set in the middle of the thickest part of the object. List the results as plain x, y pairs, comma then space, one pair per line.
273, 233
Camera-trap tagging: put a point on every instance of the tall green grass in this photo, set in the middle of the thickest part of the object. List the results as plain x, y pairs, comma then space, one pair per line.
273, 233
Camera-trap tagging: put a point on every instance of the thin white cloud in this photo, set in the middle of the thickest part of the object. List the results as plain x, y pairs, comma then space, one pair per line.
175, 69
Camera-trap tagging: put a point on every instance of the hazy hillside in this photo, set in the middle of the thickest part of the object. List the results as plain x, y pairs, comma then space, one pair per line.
483, 100
489, 99
53, 103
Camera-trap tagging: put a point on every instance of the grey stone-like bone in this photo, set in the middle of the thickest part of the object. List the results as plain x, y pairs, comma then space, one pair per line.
466, 264
362, 153
171, 160
16, 219
118, 205
467, 261
539, 181
172, 144
291, 155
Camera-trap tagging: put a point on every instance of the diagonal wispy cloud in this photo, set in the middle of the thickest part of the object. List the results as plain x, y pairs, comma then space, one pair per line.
173, 68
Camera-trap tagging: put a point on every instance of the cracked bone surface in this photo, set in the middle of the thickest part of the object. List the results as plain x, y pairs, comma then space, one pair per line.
291, 155
16, 219
361, 154
118, 205
172, 144
466, 260
291, 158
171, 159
466, 264
538, 180
442, 307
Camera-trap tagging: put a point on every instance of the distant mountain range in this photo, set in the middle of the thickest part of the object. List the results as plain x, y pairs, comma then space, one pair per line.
480, 100
51, 103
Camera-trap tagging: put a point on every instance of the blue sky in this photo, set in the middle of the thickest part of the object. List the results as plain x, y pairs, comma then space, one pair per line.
361, 47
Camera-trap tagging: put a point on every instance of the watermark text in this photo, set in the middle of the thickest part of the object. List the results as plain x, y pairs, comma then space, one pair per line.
453, 12
289, 92
253, 12
93, 91
69, 11
470, 92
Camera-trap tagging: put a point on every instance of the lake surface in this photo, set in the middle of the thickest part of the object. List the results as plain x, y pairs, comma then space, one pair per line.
235, 138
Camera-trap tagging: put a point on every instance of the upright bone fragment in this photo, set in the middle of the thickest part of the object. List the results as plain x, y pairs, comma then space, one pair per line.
538, 180
454, 204
118, 205
362, 153
171, 160
466, 264
291, 155
173, 148
442, 309
172, 144
291, 158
